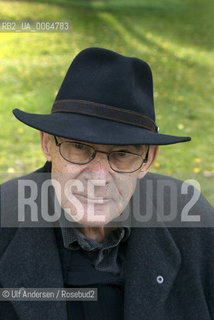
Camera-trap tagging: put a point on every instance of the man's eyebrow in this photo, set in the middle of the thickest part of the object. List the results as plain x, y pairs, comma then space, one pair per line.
136, 146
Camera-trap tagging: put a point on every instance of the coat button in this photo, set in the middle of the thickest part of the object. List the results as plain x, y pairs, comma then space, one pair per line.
160, 279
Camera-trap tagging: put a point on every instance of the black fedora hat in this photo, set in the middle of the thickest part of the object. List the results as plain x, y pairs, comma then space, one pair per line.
105, 98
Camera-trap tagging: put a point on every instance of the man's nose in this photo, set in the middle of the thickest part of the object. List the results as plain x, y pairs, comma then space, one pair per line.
100, 163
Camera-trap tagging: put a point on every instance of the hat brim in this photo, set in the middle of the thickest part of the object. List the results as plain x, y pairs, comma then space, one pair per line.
94, 130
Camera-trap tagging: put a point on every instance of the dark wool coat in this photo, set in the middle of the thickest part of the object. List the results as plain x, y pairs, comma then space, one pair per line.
182, 256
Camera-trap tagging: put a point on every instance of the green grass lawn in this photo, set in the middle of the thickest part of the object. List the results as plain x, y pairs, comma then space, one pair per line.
174, 36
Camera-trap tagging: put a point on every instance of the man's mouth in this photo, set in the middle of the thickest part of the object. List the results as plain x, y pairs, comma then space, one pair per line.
85, 198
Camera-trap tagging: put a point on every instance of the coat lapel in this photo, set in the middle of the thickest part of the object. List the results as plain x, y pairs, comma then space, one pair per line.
32, 261
152, 263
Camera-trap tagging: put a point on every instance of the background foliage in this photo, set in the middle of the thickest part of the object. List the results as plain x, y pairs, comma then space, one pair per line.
174, 36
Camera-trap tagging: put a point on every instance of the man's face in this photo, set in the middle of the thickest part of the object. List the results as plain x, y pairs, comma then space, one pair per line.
93, 194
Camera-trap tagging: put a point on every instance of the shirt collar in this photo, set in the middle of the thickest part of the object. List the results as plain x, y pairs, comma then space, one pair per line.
74, 239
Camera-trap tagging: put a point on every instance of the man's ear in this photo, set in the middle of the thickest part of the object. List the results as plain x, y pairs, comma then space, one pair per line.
46, 144
153, 152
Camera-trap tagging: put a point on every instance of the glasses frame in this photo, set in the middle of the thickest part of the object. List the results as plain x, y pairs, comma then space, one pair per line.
144, 160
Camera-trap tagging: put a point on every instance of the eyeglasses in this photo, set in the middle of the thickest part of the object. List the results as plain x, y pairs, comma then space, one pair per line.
121, 161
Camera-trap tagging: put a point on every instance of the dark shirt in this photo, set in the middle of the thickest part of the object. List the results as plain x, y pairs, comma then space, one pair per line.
106, 255
79, 272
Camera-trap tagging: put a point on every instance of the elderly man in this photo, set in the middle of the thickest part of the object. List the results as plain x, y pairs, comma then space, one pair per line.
144, 241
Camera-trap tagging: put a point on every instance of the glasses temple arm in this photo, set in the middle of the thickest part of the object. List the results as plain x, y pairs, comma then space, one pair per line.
147, 156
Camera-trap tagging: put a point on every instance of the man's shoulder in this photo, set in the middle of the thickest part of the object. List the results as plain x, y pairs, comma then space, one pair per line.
162, 177
9, 190
177, 198
173, 210
8, 202
184, 189
11, 184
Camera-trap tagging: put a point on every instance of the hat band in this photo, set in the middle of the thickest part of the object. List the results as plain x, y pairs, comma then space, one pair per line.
104, 112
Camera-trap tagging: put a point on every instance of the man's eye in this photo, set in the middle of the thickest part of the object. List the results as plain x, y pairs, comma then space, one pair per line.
79, 146
123, 154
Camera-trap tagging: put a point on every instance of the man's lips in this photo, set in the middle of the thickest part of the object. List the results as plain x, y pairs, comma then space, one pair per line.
85, 198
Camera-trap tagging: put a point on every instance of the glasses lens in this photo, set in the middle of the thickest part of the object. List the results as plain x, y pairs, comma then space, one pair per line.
124, 161
76, 152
